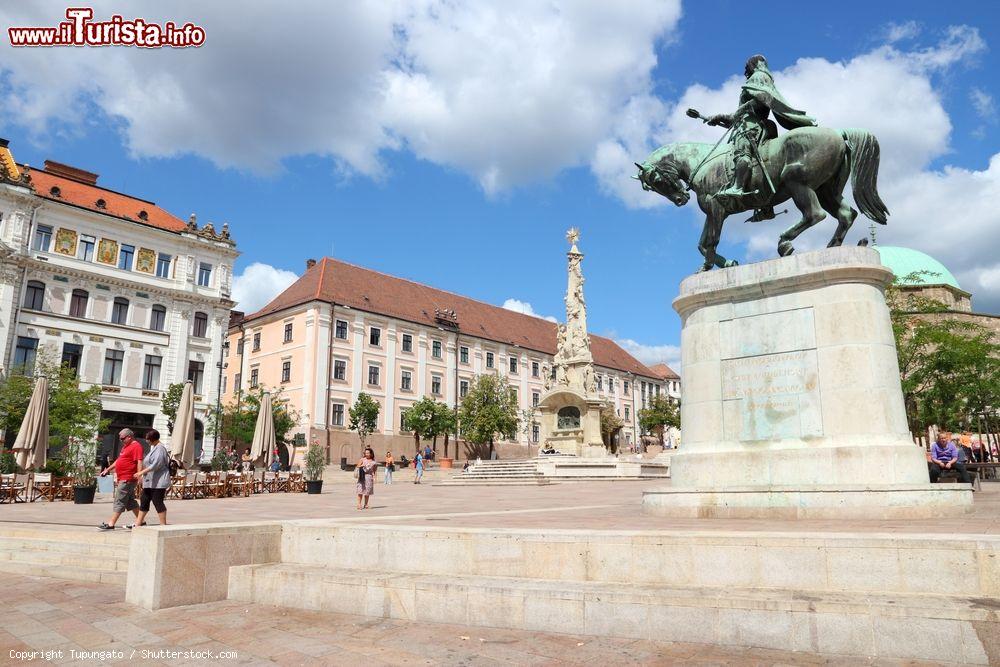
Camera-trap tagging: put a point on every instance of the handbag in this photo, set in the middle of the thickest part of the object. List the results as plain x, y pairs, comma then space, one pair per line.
359, 474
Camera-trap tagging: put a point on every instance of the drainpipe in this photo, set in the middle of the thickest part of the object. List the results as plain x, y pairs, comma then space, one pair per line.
15, 319
458, 346
218, 397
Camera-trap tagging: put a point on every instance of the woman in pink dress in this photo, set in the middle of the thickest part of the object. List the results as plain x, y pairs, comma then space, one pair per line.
367, 467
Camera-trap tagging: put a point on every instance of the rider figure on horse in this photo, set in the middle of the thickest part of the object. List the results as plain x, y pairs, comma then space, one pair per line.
751, 127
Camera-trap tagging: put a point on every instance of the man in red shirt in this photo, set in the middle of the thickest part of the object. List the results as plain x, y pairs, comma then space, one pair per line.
125, 467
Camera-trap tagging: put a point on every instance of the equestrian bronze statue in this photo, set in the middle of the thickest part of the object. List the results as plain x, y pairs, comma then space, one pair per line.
757, 169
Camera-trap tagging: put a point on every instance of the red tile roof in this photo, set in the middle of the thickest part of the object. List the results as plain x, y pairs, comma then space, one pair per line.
664, 372
374, 292
83, 193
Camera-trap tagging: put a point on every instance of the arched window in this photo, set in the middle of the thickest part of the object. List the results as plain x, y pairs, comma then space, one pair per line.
119, 311
200, 329
34, 295
78, 303
569, 417
158, 318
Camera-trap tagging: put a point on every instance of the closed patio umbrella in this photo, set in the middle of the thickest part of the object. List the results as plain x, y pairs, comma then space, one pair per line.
182, 439
32, 443
264, 440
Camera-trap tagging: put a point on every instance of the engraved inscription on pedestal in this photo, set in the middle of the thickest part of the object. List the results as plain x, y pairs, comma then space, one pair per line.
772, 396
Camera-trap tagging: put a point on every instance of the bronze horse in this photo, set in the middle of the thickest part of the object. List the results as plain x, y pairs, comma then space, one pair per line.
810, 165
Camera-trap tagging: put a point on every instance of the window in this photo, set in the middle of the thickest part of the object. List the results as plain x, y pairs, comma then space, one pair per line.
71, 355
239, 346
158, 318
627, 414
237, 382
489, 360
34, 295
85, 250
286, 371
113, 360
513, 394
405, 381
288, 332
119, 311
24, 354
407, 343
375, 336
204, 274
534, 369
225, 381
657, 390
78, 303
600, 383
625, 387
436, 349
42, 239
151, 372
402, 421
341, 332
373, 373
163, 266
196, 373
254, 377
125, 256
200, 328
534, 433
463, 354
513, 364
534, 398
463, 388
339, 369
337, 414
256, 342
436, 385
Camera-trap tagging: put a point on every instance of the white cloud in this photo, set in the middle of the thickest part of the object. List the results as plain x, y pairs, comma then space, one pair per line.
653, 354
258, 284
984, 104
519, 306
509, 93
898, 32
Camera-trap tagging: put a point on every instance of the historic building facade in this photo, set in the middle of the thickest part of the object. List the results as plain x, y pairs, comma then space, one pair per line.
343, 329
128, 295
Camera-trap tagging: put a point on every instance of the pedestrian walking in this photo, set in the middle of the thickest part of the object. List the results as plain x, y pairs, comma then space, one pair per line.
390, 467
125, 467
367, 467
155, 476
418, 465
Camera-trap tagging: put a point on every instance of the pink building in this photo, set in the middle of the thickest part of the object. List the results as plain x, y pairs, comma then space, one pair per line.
343, 329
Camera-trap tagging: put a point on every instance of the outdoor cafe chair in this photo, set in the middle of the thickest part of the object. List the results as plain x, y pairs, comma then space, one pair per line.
12, 489
269, 480
296, 484
176, 489
241, 484
282, 482
215, 485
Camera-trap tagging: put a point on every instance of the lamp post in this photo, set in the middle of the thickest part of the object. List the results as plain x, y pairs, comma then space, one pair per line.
218, 398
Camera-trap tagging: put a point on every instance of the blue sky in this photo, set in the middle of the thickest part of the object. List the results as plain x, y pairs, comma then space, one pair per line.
454, 143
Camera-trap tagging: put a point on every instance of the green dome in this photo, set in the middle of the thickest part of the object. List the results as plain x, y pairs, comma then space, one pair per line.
904, 261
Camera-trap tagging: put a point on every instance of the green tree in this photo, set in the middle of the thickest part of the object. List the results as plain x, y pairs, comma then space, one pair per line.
428, 419
445, 421
238, 419
364, 416
15, 393
170, 402
660, 413
489, 411
949, 368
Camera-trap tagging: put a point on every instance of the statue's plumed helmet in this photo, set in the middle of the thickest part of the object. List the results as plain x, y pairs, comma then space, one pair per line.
752, 63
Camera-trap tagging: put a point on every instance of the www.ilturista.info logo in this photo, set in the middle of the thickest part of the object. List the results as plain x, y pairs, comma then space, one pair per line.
80, 30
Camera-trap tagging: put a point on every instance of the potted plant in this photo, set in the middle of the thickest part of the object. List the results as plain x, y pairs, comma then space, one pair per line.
315, 462
80, 457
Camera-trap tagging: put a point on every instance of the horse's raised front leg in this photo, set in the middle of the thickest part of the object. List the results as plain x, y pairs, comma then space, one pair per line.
806, 201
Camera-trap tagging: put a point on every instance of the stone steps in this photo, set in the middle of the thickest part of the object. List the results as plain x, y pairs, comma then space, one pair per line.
65, 553
498, 473
863, 625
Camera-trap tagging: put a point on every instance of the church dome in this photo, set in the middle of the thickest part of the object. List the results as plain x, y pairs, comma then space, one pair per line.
904, 261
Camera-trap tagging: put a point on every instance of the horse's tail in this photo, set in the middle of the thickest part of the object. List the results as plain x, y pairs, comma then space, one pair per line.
863, 156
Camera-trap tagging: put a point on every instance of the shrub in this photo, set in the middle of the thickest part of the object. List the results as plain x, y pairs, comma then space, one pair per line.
315, 461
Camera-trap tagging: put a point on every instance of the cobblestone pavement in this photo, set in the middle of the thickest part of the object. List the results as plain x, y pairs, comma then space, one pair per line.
50, 615
584, 505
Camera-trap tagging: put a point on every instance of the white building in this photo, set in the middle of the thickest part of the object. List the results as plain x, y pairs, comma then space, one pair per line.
119, 289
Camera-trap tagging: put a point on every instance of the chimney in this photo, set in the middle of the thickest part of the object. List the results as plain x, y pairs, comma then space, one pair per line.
310, 263
72, 173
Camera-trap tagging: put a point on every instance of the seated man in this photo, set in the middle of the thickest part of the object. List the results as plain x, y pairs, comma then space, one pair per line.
944, 456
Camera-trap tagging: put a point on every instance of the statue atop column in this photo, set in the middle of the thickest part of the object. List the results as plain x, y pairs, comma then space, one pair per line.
573, 360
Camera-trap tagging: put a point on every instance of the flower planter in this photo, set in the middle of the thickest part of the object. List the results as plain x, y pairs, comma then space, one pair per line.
445, 463
314, 486
84, 495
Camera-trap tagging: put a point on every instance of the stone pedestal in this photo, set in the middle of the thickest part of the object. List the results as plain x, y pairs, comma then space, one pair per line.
791, 402
580, 438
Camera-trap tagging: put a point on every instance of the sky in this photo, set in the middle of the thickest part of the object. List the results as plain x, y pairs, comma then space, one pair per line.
454, 143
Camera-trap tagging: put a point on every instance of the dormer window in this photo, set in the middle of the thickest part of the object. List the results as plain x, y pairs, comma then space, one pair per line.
101, 203
143, 215
55, 191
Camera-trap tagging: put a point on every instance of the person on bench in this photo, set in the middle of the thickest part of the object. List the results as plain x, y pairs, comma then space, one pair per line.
944, 457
